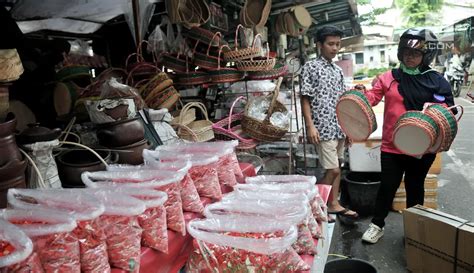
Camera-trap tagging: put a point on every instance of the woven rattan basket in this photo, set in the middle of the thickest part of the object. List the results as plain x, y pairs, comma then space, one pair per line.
227, 74
264, 130
198, 130
241, 53
184, 118
258, 63
207, 61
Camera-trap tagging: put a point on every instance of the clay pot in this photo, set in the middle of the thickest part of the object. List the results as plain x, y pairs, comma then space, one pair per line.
121, 133
71, 164
132, 154
8, 148
12, 170
16, 182
36, 133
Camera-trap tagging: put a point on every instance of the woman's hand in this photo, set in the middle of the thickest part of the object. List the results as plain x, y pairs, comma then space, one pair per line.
313, 134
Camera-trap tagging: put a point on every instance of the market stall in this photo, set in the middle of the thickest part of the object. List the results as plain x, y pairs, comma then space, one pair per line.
136, 159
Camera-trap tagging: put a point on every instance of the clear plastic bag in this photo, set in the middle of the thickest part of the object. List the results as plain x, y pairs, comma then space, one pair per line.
153, 219
112, 88
120, 225
218, 147
81, 206
189, 195
166, 181
241, 245
21, 245
280, 179
51, 233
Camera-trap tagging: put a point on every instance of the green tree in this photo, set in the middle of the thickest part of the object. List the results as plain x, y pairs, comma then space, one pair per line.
420, 12
371, 17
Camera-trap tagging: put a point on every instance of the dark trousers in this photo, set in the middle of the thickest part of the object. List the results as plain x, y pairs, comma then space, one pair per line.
393, 168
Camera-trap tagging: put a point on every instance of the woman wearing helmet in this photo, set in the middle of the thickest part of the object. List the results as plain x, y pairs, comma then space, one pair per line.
405, 88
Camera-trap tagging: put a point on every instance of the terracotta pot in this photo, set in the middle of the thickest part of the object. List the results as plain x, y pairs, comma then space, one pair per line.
8, 148
17, 182
72, 164
132, 154
121, 133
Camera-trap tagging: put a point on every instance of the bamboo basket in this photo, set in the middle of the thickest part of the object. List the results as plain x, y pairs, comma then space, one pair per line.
257, 64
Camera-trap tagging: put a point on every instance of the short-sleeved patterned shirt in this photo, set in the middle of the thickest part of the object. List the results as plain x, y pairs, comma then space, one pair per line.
323, 83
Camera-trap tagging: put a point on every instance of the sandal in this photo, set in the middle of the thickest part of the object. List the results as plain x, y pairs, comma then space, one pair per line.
344, 213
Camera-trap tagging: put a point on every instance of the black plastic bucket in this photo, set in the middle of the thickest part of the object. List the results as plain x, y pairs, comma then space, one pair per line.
349, 266
362, 189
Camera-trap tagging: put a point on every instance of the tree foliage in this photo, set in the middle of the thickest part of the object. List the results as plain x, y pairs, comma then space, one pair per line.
420, 12
371, 17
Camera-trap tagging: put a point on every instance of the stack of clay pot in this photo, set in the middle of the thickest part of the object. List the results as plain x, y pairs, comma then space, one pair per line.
12, 163
126, 137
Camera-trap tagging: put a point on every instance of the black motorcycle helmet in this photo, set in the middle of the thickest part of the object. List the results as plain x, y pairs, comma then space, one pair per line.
419, 39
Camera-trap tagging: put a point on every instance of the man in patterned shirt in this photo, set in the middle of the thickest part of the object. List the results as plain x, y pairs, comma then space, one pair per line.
322, 85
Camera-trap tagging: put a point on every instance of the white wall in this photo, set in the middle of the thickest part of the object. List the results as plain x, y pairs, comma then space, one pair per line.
373, 58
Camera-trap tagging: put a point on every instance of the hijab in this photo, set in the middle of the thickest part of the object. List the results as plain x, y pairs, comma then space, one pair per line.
420, 85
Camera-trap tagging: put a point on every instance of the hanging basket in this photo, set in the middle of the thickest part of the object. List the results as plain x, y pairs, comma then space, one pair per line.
264, 130
239, 54
198, 130
279, 70
257, 63
227, 74
207, 61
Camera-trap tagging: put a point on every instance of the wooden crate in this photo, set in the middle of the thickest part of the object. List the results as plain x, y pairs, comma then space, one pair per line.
436, 166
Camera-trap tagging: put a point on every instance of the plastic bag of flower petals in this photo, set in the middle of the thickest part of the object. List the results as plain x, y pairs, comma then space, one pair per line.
225, 150
256, 194
203, 171
122, 230
189, 195
241, 245
16, 250
167, 181
315, 200
153, 220
284, 213
82, 207
51, 233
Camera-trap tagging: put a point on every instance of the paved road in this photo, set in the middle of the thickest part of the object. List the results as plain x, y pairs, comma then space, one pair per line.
455, 196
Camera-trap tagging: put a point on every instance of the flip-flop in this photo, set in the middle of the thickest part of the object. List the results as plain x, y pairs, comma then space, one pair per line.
331, 220
343, 213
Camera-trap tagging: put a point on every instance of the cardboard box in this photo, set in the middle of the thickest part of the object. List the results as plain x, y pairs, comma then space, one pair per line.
400, 203
437, 242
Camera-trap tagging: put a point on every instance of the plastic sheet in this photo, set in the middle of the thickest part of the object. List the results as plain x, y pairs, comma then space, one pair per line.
42, 155
31, 264
280, 179
50, 231
280, 119
85, 209
22, 245
120, 225
240, 245
166, 181
304, 243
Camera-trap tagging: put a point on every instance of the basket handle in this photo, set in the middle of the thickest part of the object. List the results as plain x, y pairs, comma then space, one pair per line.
201, 107
219, 56
139, 58
129, 80
217, 34
232, 110
457, 106
236, 36
274, 98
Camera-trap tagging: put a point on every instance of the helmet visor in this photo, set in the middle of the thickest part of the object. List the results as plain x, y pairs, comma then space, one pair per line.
414, 44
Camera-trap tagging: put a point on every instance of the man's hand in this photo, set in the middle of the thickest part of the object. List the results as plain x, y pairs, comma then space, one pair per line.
360, 87
348, 142
313, 135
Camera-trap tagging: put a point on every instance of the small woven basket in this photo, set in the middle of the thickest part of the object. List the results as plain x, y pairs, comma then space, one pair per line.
264, 130
279, 70
198, 130
207, 61
184, 118
239, 54
11, 67
257, 64
227, 74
